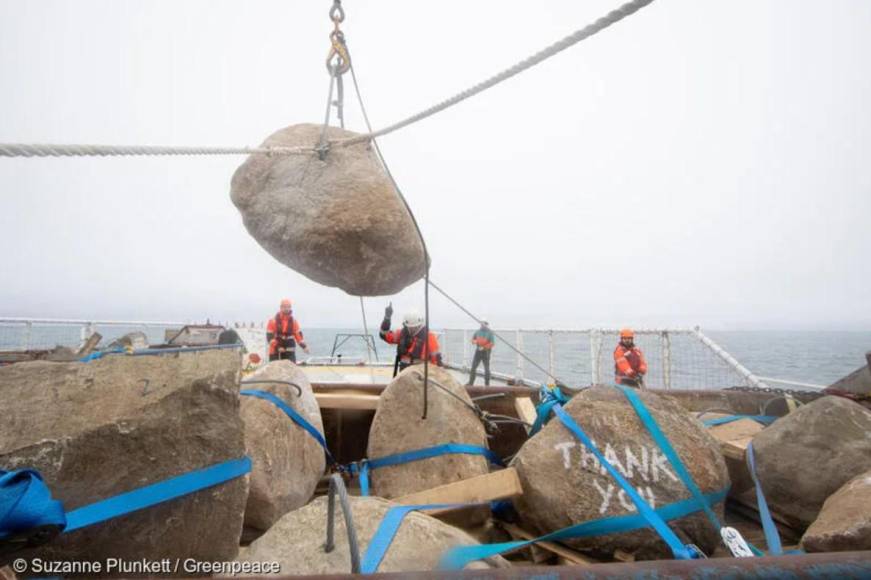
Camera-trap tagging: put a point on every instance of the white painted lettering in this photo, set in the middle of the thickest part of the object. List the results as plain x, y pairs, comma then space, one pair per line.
606, 495
564, 448
633, 463
660, 462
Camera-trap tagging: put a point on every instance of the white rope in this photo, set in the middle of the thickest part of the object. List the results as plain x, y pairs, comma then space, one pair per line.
602, 23
56, 150
52, 150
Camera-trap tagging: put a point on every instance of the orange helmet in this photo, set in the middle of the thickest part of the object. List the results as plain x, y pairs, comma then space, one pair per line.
285, 302
627, 333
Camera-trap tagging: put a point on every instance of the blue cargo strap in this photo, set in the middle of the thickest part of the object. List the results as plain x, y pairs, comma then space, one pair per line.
362, 468
772, 538
157, 351
680, 551
383, 538
764, 419
458, 557
294, 416
25, 501
548, 397
665, 445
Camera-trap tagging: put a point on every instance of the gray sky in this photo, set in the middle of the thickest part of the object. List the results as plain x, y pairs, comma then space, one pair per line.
699, 163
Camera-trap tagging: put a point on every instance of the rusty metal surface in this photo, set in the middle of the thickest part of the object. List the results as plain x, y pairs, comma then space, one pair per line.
833, 565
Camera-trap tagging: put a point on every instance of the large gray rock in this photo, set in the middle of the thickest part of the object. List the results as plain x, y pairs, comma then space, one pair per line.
98, 429
564, 484
398, 427
844, 523
336, 221
296, 541
287, 461
808, 455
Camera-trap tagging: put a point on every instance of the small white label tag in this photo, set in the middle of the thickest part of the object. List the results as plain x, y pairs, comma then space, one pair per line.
736, 543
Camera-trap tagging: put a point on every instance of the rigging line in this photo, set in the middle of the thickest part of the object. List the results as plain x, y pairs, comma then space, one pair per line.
602, 23
85, 150
547, 373
419, 234
57, 150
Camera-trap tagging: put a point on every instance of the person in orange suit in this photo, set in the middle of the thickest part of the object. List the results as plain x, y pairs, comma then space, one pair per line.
283, 334
413, 341
629, 364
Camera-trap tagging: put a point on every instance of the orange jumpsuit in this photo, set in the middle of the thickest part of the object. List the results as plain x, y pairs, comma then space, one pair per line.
628, 364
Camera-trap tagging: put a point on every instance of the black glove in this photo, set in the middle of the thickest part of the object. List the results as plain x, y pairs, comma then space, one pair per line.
388, 312
439, 361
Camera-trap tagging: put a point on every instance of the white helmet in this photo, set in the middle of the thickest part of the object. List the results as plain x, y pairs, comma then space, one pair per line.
412, 319
485, 320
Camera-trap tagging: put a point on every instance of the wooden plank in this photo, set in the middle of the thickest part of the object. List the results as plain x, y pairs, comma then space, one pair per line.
500, 484
347, 401
525, 409
735, 436
90, 344
568, 554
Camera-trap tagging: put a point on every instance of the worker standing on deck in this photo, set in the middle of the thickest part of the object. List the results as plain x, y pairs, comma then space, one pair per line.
629, 364
413, 341
484, 340
283, 334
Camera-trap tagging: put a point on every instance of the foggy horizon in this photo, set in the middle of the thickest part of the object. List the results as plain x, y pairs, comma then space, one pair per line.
695, 164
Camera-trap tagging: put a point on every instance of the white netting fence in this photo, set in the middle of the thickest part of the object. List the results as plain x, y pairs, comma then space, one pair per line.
676, 359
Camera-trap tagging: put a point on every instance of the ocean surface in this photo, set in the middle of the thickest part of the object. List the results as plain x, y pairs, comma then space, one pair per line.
804, 356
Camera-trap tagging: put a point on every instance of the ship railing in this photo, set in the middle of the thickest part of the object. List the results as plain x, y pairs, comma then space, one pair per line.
678, 358
17, 333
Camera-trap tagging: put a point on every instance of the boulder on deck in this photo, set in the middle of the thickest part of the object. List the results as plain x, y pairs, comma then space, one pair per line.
95, 430
564, 483
296, 541
844, 523
287, 461
808, 455
398, 427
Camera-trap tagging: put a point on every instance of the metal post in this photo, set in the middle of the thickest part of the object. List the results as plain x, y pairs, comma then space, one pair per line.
751, 379
595, 348
550, 356
86, 332
465, 348
666, 359
518, 343
28, 334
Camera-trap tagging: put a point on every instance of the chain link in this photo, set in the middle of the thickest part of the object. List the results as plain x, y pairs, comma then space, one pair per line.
813, 395
338, 59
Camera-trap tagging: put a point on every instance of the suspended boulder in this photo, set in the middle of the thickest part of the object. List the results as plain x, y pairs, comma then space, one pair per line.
805, 457
398, 427
95, 430
287, 460
337, 221
296, 541
565, 484
844, 523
